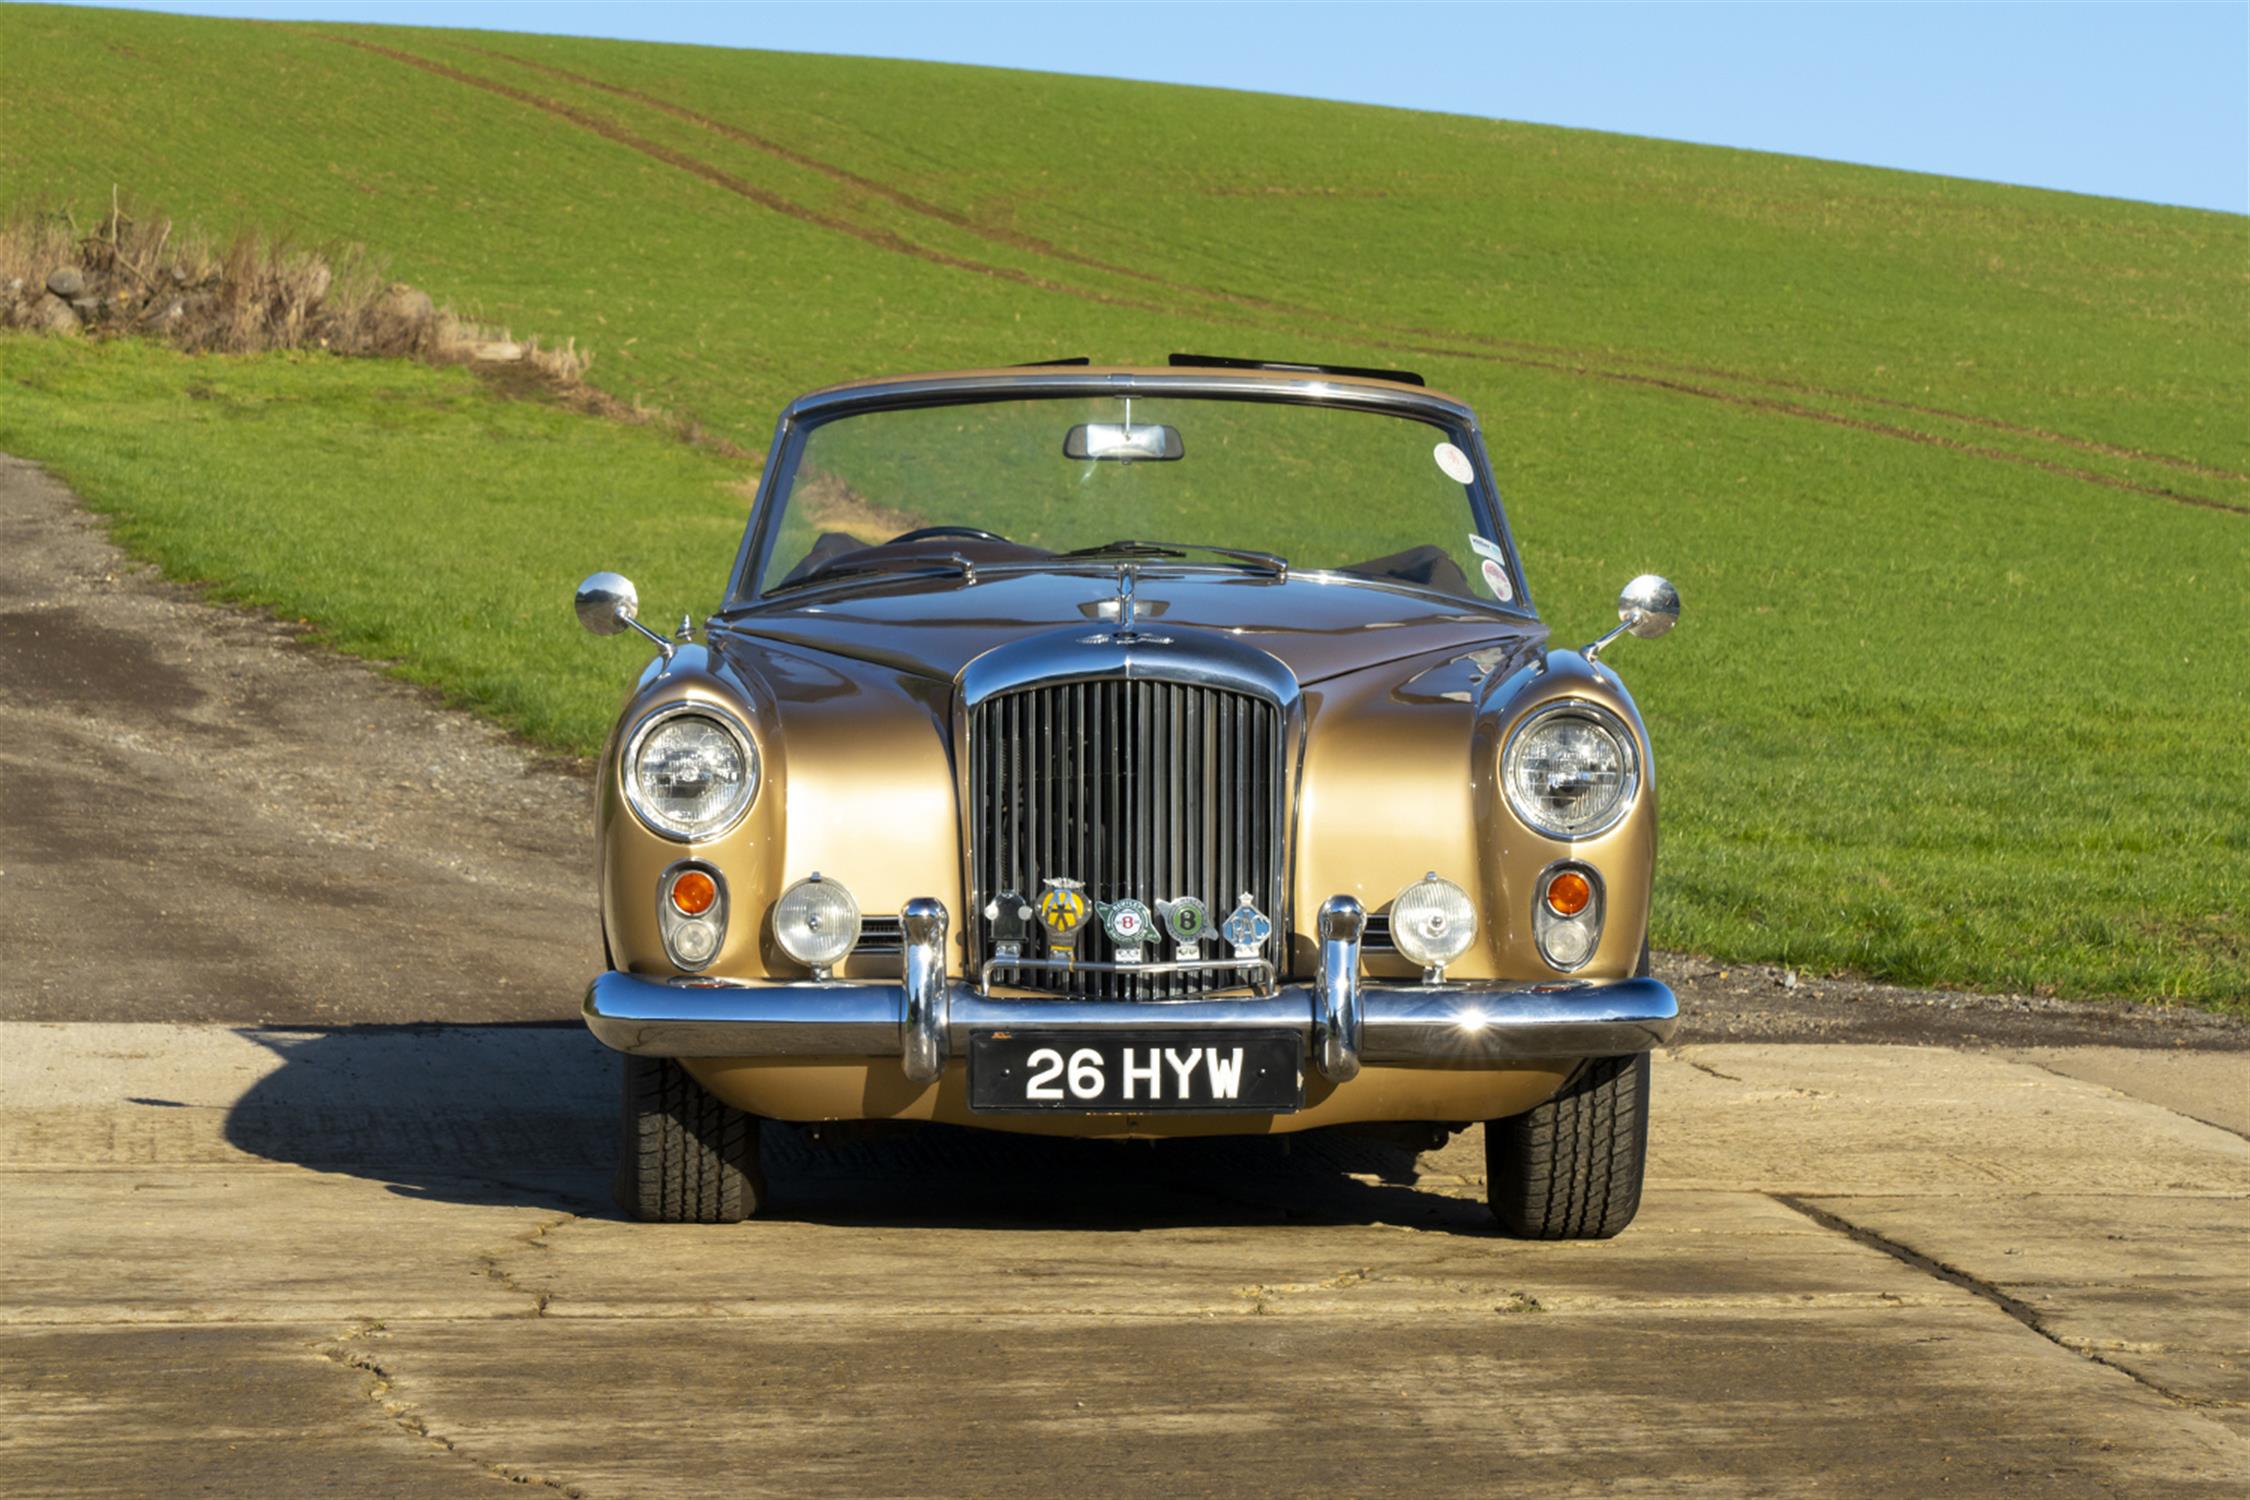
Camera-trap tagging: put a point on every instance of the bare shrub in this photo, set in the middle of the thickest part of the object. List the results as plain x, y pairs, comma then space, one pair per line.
138, 275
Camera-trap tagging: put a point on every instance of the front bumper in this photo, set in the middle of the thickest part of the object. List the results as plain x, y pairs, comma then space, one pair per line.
926, 1018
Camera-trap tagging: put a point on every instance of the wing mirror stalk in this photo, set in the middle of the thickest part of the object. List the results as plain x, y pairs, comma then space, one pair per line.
608, 603
1648, 607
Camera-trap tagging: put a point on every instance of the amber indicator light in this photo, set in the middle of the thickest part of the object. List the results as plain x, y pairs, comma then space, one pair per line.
694, 892
1568, 893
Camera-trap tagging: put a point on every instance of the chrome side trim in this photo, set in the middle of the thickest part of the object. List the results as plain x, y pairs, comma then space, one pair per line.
1337, 1021
1476, 1022
924, 1021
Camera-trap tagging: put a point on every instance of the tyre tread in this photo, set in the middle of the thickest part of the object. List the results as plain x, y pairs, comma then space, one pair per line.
1572, 1168
684, 1155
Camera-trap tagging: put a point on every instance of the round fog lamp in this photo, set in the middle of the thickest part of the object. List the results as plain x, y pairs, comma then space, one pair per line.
1433, 922
816, 922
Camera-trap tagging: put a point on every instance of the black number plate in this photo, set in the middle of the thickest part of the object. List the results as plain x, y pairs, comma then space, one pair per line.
1136, 1072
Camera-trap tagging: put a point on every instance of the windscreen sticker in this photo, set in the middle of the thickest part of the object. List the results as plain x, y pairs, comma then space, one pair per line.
1496, 579
1484, 546
1456, 464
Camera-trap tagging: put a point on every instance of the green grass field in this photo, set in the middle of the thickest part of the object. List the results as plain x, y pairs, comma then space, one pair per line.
1955, 478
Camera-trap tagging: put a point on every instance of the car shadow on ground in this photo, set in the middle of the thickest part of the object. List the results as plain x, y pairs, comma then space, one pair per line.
524, 1115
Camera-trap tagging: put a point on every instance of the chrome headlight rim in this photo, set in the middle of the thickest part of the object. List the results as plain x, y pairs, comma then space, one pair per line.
1601, 717
753, 770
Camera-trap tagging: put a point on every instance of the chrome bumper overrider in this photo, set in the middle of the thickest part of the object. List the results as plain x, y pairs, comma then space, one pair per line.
926, 1018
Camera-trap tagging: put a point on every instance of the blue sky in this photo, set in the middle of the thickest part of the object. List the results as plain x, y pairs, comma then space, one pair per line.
2129, 101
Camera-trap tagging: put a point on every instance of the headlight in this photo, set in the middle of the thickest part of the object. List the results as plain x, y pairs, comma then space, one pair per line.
816, 922
1433, 922
1570, 770
690, 773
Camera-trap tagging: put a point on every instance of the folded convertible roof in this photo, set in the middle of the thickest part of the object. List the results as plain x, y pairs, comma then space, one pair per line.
1228, 362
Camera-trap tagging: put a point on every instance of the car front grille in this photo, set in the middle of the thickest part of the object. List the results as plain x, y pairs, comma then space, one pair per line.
1148, 790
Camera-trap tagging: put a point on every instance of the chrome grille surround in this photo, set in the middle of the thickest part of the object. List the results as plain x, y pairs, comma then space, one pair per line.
1143, 764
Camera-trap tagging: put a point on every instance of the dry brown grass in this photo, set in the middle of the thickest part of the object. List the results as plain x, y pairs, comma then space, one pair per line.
143, 276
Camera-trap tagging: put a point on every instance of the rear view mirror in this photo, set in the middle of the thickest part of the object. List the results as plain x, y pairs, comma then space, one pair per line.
1121, 442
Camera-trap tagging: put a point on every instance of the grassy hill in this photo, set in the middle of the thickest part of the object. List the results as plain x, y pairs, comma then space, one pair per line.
1955, 478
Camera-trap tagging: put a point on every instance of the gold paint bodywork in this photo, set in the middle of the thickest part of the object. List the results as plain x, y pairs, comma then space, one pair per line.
1399, 776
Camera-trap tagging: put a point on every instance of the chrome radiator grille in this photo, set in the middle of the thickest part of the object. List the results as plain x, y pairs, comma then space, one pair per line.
1148, 790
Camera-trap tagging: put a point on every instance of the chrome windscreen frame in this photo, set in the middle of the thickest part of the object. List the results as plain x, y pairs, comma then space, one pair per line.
745, 590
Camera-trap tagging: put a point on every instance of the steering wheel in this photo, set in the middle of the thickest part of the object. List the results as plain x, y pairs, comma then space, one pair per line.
932, 533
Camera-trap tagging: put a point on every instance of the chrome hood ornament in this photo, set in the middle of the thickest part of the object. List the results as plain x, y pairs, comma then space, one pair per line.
1125, 609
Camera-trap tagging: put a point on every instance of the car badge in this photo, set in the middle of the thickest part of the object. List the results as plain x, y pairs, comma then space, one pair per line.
1010, 917
1247, 928
1062, 911
1189, 922
1128, 923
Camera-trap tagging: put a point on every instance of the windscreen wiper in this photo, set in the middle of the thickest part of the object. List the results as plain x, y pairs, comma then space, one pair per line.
951, 562
1129, 547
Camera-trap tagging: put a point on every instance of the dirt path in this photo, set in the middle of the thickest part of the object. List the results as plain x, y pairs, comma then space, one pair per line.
202, 818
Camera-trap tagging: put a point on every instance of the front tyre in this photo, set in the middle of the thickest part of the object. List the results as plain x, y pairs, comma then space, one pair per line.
683, 1155
1571, 1169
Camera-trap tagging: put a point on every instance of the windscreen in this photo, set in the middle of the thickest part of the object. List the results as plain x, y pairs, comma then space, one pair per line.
1011, 483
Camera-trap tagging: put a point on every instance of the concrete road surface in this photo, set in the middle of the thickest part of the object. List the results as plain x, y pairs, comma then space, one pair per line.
263, 1261
300, 1193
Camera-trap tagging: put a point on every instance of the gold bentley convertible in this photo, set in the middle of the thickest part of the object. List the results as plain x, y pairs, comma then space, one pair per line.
1131, 753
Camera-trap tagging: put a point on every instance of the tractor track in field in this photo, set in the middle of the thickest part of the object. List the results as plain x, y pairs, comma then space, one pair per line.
994, 233
1033, 244
1653, 372
610, 130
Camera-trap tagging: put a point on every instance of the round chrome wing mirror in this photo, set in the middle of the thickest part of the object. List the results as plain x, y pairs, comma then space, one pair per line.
607, 602
1648, 606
